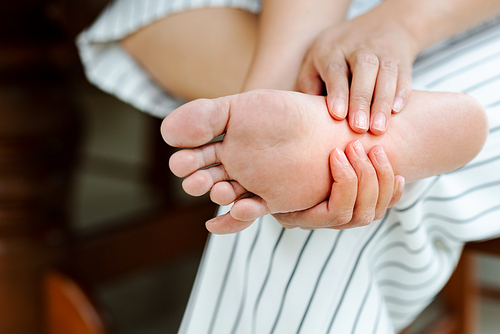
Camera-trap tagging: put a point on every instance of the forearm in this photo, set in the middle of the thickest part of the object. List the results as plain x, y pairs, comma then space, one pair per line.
430, 21
285, 31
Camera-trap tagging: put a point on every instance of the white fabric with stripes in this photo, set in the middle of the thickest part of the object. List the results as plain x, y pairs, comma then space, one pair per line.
375, 279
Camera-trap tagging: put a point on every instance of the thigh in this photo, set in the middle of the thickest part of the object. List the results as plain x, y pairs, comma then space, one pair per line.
197, 53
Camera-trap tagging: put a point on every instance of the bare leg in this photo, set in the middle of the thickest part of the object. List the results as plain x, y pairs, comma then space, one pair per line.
184, 59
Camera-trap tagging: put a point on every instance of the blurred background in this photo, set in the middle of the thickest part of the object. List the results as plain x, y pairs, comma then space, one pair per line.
95, 234
108, 188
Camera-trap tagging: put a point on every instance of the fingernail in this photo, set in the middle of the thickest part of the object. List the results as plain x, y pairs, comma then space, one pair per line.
381, 157
360, 121
360, 151
338, 108
401, 184
379, 122
398, 104
341, 158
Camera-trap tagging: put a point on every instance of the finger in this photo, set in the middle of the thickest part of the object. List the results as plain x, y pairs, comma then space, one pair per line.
197, 122
225, 224
201, 181
383, 98
185, 162
225, 193
337, 210
399, 185
335, 73
364, 68
366, 201
403, 90
385, 177
308, 80
249, 208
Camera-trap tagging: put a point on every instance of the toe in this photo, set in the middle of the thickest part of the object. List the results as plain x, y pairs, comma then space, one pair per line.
226, 224
225, 193
201, 181
249, 209
196, 123
184, 162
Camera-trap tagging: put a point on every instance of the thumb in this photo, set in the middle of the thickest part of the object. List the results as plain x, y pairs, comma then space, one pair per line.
308, 79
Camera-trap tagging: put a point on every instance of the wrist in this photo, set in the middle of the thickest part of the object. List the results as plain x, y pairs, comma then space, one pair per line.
418, 20
286, 31
429, 21
274, 69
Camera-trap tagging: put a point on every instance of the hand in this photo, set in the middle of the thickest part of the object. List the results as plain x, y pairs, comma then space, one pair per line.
365, 65
364, 187
362, 191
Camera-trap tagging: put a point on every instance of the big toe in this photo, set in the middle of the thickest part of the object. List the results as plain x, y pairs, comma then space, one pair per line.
195, 123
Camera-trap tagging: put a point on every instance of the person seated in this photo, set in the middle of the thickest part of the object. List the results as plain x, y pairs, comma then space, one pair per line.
286, 154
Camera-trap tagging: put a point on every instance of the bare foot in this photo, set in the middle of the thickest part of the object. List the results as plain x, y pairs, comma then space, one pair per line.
278, 146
